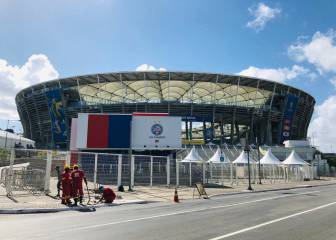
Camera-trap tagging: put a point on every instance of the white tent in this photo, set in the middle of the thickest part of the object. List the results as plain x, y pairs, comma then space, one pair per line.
296, 165
242, 159
192, 156
294, 159
269, 159
216, 158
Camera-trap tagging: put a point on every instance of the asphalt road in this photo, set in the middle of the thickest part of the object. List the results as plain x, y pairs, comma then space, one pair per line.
295, 214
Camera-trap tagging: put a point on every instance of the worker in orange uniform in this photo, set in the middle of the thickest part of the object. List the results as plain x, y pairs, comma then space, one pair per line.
107, 194
77, 184
66, 185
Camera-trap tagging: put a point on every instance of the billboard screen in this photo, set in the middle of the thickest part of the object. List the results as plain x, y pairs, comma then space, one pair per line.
156, 132
290, 108
57, 116
103, 131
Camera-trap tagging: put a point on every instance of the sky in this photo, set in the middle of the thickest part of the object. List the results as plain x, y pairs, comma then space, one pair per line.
293, 42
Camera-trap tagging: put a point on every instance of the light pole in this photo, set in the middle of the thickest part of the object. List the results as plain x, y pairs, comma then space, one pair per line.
247, 150
259, 172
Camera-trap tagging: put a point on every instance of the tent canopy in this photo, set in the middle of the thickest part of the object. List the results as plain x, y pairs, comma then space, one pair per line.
294, 159
269, 159
216, 158
192, 156
243, 158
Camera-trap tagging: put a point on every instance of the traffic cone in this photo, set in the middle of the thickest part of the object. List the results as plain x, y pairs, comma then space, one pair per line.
176, 198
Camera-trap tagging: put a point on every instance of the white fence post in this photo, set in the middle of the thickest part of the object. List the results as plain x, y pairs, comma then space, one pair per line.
203, 172
190, 174
119, 169
47, 172
95, 171
151, 170
177, 173
9, 180
132, 171
68, 158
168, 170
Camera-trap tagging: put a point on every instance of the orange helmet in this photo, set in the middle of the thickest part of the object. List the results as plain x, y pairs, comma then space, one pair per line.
66, 167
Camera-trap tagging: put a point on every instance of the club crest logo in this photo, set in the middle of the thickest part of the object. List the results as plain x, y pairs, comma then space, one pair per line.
157, 129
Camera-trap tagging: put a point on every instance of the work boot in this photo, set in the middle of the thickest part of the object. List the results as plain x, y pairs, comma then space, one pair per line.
76, 200
63, 201
81, 199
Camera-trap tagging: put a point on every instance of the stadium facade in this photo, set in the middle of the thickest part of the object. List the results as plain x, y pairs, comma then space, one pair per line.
215, 108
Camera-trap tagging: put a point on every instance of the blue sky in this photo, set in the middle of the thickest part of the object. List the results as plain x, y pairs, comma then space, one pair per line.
288, 41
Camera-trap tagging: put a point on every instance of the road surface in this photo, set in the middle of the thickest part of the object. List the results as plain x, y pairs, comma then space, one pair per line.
305, 214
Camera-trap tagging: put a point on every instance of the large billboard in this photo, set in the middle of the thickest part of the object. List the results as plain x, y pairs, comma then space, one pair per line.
103, 131
287, 120
156, 132
56, 112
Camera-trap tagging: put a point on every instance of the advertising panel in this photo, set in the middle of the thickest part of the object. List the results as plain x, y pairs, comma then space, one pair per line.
56, 112
287, 120
103, 131
156, 132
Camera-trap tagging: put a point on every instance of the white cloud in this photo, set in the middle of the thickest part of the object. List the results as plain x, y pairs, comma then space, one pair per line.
146, 67
13, 78
262, 14
322, 128
319, 51
275, 74
333, 81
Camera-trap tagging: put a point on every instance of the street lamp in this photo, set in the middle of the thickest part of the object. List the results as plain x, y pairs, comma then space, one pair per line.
259, 174
247, 150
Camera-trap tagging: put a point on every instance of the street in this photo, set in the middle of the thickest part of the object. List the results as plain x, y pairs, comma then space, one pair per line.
308, 213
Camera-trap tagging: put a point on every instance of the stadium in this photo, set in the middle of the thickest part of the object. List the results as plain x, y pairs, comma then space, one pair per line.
215, 108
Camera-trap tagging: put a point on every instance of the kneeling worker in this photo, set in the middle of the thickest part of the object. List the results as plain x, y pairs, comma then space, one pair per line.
107, 194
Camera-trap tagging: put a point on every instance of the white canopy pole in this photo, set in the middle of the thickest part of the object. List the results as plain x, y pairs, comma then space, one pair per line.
190, 174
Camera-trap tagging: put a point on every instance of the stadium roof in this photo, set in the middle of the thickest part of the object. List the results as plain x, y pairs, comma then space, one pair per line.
181, 87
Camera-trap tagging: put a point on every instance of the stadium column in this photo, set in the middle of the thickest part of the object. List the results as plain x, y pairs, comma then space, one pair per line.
190, 130
204, 132
269, 123
186, 130
212, 131
237, 132
222, 130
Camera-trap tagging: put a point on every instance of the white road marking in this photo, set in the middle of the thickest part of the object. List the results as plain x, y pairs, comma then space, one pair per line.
184, 212
272, 221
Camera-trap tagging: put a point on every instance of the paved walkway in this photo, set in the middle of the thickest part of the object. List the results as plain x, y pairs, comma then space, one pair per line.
21, 200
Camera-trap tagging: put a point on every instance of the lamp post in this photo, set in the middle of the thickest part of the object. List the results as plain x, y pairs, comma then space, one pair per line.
259, 167
247, 150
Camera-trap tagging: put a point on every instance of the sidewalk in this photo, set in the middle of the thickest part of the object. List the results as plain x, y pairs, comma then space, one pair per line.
141, 194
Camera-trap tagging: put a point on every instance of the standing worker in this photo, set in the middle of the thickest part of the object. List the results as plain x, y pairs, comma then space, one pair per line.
77, 180
66, 185
59, 181
107, 194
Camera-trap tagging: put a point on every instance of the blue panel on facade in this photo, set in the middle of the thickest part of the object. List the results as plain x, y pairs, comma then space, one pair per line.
287, 121
119, 131
56, 112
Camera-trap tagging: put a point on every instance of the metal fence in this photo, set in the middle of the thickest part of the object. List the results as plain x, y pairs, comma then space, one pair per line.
34, 171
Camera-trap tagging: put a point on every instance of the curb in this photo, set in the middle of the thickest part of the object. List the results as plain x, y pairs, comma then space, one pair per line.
90, 208
270, 190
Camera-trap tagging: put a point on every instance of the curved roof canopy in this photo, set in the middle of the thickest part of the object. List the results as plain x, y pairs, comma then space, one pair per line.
158, 87
269, 159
